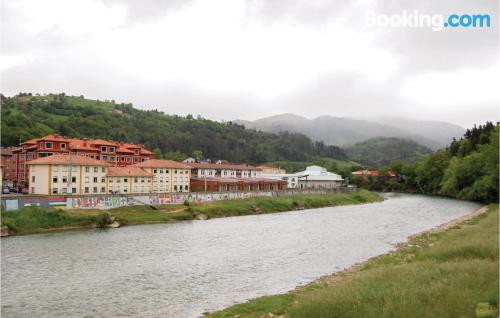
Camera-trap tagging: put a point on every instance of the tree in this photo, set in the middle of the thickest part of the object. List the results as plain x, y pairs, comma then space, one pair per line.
198, 154
158, 154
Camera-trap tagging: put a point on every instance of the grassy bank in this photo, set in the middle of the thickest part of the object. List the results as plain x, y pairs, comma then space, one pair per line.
35, 220
453, 273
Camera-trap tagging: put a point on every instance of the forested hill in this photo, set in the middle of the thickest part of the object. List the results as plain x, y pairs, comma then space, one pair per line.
27, 116
381, 151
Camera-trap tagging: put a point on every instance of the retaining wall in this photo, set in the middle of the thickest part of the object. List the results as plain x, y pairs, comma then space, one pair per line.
109, 201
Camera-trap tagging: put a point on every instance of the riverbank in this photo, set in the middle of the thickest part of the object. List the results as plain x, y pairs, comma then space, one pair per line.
450, 271
38, 220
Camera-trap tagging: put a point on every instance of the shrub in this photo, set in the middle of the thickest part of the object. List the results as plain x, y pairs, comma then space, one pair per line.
103, 220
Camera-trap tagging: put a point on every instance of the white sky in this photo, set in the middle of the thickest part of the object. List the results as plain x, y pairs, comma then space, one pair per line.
228, 59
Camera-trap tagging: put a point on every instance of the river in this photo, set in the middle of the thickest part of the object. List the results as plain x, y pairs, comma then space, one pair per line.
184, 269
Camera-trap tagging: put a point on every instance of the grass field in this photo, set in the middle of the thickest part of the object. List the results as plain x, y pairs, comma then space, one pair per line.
34, 220
445, 274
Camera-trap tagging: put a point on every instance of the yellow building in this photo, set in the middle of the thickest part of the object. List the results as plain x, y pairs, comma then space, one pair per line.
270, 170
168, 175
129, 180
64, 174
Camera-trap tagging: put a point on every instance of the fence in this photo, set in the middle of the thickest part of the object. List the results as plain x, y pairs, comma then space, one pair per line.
109, 201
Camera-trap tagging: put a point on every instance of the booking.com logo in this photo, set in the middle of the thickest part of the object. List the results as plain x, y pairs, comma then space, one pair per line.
437, 22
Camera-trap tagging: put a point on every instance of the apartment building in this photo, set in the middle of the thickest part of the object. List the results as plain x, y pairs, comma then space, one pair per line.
111, 152
222, 170
129, 180
9, 171
168, 175
67, 174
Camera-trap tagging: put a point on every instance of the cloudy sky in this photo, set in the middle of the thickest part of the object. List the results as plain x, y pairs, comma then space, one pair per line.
228, 59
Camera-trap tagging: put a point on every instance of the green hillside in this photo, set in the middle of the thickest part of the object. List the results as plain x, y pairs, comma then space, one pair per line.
382, 151
27, 116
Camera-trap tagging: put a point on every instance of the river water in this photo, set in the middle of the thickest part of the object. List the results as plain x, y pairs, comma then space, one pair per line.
187, 268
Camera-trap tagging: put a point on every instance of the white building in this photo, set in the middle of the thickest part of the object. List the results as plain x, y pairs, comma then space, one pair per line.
222, 170
316, 177
62, 174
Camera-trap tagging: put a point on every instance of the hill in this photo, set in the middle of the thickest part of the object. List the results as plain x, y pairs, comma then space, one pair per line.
26, 116
347, 131
381, 151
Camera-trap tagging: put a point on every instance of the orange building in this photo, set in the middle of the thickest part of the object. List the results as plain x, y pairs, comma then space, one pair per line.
111, 152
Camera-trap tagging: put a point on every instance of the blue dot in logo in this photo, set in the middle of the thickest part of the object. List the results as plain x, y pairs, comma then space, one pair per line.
445, 24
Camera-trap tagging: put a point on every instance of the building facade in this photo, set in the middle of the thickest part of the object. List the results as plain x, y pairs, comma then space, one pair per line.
110, 152
271, 170
168, 175
129, 180
9, 167
316, 177
222, 170
65, 174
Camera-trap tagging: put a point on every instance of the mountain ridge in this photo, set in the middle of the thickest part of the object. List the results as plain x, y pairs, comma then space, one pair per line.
345, 131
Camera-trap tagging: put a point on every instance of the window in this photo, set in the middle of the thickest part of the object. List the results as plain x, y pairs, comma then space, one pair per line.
48, 145
103, 169
86, 190
155, 171
122, 158
63, 146
125, 180
95, 190
64, 190
32, 189
110, 180
128, 159
125, 190
65, 179
73, 190
54, 190
112, 158
95, 179
103, 180
161, 170
136, 152
104, 149
87, 179
54, 180
142, 180
175, 171
175, 187
96, 170
41, 145
136, 180
181, 171
104, 158
73, 179
103, 189
33, 179
87, 169
111, 149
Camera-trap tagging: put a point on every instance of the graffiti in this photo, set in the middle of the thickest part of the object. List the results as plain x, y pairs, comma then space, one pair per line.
109, 202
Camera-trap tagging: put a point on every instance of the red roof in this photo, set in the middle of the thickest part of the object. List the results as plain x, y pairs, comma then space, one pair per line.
64, 159
88, 144
128, 171
161, 163
228, 166
372, 173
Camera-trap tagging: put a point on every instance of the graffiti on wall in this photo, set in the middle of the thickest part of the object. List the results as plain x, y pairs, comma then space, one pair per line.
108, 202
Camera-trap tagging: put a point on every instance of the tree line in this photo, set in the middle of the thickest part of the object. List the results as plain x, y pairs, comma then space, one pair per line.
467, 169
26, 116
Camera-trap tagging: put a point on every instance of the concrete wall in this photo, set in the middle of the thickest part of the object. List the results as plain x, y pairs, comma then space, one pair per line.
100, 201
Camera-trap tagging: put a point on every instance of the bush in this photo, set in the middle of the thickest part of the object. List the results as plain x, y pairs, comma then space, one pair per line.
186, 203
103, 220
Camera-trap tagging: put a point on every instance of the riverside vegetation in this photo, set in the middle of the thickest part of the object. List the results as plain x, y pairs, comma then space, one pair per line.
35, 220
452, 273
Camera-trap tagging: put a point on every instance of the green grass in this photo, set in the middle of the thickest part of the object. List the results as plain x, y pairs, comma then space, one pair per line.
282, 203
33, 220
445, 274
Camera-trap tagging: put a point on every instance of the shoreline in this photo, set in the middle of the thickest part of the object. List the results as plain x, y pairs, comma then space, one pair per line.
336, 277
84, 219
